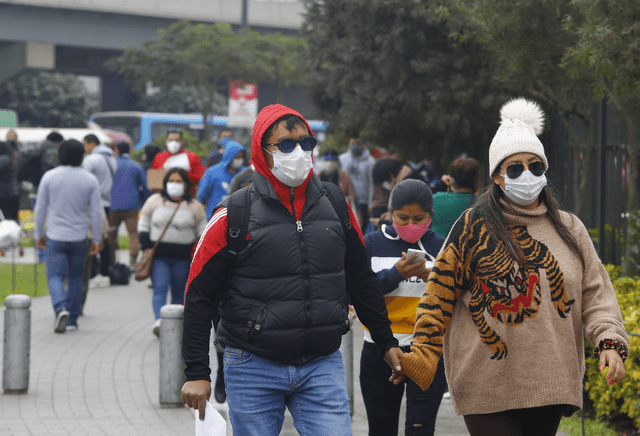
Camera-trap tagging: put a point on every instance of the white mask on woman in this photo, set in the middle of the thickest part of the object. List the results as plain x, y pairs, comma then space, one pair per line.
175, 189
292, 168
525, 189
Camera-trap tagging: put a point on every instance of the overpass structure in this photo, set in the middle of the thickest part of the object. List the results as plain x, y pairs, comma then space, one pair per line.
79, 36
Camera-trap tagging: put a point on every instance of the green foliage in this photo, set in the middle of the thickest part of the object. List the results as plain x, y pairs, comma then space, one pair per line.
612, 402
179, 99
389, 72
573, 426
44, 99
24, 283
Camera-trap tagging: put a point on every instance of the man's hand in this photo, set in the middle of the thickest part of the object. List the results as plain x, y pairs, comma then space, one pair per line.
42, 243
195, 394
612, 359
393, 357
95, 248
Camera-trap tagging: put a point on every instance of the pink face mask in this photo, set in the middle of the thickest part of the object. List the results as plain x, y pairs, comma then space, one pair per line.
412, 232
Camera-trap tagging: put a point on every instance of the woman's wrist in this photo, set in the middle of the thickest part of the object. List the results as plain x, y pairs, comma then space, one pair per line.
610, 344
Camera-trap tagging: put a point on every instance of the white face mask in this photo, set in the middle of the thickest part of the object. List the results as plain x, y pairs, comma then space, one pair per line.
525, 189
173, 147
175, 189
292, 168
237, 163
388, 185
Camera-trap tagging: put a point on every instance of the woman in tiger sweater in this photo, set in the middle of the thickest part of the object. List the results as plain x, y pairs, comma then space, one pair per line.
402, 278
508, 295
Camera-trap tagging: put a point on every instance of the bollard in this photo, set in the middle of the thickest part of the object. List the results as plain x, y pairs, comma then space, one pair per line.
171, 364
17, 344
346, 348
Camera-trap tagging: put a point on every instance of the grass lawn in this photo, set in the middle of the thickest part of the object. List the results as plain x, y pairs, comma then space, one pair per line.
24, 283
573, 426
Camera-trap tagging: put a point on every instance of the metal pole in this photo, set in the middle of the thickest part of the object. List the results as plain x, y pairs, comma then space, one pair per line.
17, 344
603, 179
245, 13
346, 348
171, 364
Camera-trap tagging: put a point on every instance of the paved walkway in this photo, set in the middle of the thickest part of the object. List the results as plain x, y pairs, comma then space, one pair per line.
103, 378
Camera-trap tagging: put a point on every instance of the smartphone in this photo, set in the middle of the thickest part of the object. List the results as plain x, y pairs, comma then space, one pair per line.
421, 254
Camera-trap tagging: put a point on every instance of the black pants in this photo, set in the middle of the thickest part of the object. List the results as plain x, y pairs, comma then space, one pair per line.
536, 421
9, 207
382, 399
363, 208
105, 254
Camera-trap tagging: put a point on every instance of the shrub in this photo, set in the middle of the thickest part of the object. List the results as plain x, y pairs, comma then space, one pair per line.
622, 400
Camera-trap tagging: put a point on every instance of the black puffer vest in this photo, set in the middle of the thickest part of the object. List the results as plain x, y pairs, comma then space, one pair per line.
287, 297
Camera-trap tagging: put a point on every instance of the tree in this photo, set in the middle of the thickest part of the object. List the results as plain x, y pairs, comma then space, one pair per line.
527, 41
608, 50
44, 99
197, 56
178, 99
388, 71
281, 60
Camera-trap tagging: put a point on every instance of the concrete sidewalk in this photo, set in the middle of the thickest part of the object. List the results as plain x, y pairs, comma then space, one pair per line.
103, 378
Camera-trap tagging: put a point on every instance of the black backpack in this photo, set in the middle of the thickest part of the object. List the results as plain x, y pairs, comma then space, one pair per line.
238, 208
29, 166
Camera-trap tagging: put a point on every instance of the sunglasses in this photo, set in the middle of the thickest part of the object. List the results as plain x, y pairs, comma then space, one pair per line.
515, 170
288, 144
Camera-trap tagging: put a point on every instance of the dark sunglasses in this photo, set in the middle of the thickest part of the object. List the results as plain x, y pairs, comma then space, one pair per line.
515, 170
288, 144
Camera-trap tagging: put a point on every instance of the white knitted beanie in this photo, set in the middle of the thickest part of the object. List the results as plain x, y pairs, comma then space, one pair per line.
522, 122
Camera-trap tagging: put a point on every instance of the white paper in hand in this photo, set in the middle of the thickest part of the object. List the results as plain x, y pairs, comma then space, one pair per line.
213, 424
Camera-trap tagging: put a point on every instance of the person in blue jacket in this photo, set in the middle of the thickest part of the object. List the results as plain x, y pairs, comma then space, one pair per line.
128, 194
215, 184
402, 280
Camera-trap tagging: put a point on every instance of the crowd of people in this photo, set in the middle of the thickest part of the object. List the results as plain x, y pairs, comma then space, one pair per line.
490, 289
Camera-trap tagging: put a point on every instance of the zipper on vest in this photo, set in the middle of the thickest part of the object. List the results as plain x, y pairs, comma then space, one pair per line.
305, 270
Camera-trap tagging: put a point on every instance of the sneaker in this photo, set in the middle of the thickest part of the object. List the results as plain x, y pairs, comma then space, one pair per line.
72, 327
446, 396
156, 328
60, 325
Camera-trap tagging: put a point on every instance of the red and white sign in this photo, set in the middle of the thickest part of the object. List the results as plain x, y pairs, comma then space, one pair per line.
243, 104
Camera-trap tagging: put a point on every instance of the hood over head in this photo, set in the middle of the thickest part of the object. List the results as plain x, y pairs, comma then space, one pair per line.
231, 149
103, 149
266, 118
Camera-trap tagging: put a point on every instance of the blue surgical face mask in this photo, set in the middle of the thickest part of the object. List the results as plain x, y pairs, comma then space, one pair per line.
525, 189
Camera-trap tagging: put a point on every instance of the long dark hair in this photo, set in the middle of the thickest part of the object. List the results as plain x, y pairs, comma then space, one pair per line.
491, 209
185, 178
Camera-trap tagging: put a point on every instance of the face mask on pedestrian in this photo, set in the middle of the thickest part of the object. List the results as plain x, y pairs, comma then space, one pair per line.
175, 189
388, 185
331, 166
292, 168
525, 189
173, 147
237, 163
411, 232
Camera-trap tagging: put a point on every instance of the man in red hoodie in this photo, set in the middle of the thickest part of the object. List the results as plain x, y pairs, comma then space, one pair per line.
177, 156
284, 307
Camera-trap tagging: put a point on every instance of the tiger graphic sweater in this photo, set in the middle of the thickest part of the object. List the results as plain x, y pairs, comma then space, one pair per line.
512, 333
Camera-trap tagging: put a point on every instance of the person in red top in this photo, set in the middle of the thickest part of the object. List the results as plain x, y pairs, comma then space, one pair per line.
177, 157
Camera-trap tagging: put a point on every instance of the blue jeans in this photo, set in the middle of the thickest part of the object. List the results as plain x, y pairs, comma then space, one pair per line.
167, 272
258, 390
66, 259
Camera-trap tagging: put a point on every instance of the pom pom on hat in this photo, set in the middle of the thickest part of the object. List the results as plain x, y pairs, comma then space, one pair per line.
522, 122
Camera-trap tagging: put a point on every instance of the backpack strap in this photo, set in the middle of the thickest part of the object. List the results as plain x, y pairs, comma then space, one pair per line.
339, 204
238, 209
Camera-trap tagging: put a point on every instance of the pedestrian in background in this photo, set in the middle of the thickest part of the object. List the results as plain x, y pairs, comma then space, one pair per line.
215, 156
331, 172
9, 186
128, 193
358, 163
216, 182
68, 200
463, 181
172, 257
150, 152
177, 157
402, 279
100, 161
508, 296
385, 175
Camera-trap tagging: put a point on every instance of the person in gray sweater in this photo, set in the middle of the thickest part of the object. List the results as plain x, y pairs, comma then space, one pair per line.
69, 201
